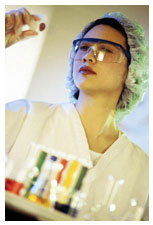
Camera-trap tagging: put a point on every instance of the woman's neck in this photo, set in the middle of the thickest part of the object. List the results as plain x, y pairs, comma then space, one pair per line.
98, 118
97, 112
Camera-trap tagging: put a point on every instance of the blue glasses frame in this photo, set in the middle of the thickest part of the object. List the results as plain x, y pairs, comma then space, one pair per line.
104, 41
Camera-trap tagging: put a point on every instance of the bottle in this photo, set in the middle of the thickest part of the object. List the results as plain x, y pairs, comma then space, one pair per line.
40, 191
12, 182
76, 201
63, 202
36, 25
37, 167
28, 169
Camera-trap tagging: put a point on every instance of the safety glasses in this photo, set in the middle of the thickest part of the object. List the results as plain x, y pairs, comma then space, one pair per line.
103, 50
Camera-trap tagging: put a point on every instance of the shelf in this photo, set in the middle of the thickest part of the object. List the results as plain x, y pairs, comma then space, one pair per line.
25, 206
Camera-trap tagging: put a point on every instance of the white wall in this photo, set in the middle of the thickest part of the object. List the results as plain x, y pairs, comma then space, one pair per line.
37, 68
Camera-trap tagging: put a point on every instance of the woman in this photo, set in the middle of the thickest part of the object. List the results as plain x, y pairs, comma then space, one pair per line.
107, 78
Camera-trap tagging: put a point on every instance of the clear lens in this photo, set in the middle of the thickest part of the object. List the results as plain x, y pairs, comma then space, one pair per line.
104, 52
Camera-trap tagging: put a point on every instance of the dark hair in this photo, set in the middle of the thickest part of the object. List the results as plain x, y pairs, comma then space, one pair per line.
110, 22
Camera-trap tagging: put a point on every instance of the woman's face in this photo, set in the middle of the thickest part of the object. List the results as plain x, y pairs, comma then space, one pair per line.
108, 77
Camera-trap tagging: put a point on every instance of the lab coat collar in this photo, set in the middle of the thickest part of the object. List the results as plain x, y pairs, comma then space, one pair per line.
79, 138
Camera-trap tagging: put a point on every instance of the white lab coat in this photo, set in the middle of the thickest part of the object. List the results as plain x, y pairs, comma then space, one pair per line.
117, 182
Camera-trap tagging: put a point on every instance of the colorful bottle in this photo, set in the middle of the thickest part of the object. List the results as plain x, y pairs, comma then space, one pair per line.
37, 167
62, 203
75, 199
45, 187
12, 182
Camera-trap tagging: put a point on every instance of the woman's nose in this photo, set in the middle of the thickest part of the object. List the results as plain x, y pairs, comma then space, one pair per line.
89, 57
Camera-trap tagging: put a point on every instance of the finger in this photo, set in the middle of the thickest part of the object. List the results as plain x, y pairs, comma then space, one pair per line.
18, 21
26, 16
9, 20
28, 33
10, 39
7, 39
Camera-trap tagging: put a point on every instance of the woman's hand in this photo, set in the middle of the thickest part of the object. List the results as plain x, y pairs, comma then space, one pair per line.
14, 22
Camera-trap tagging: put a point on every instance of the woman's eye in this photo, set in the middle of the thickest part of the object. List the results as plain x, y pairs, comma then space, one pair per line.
106, 50
84, 47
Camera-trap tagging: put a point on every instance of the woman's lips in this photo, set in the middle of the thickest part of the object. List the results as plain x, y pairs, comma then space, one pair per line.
86, 70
